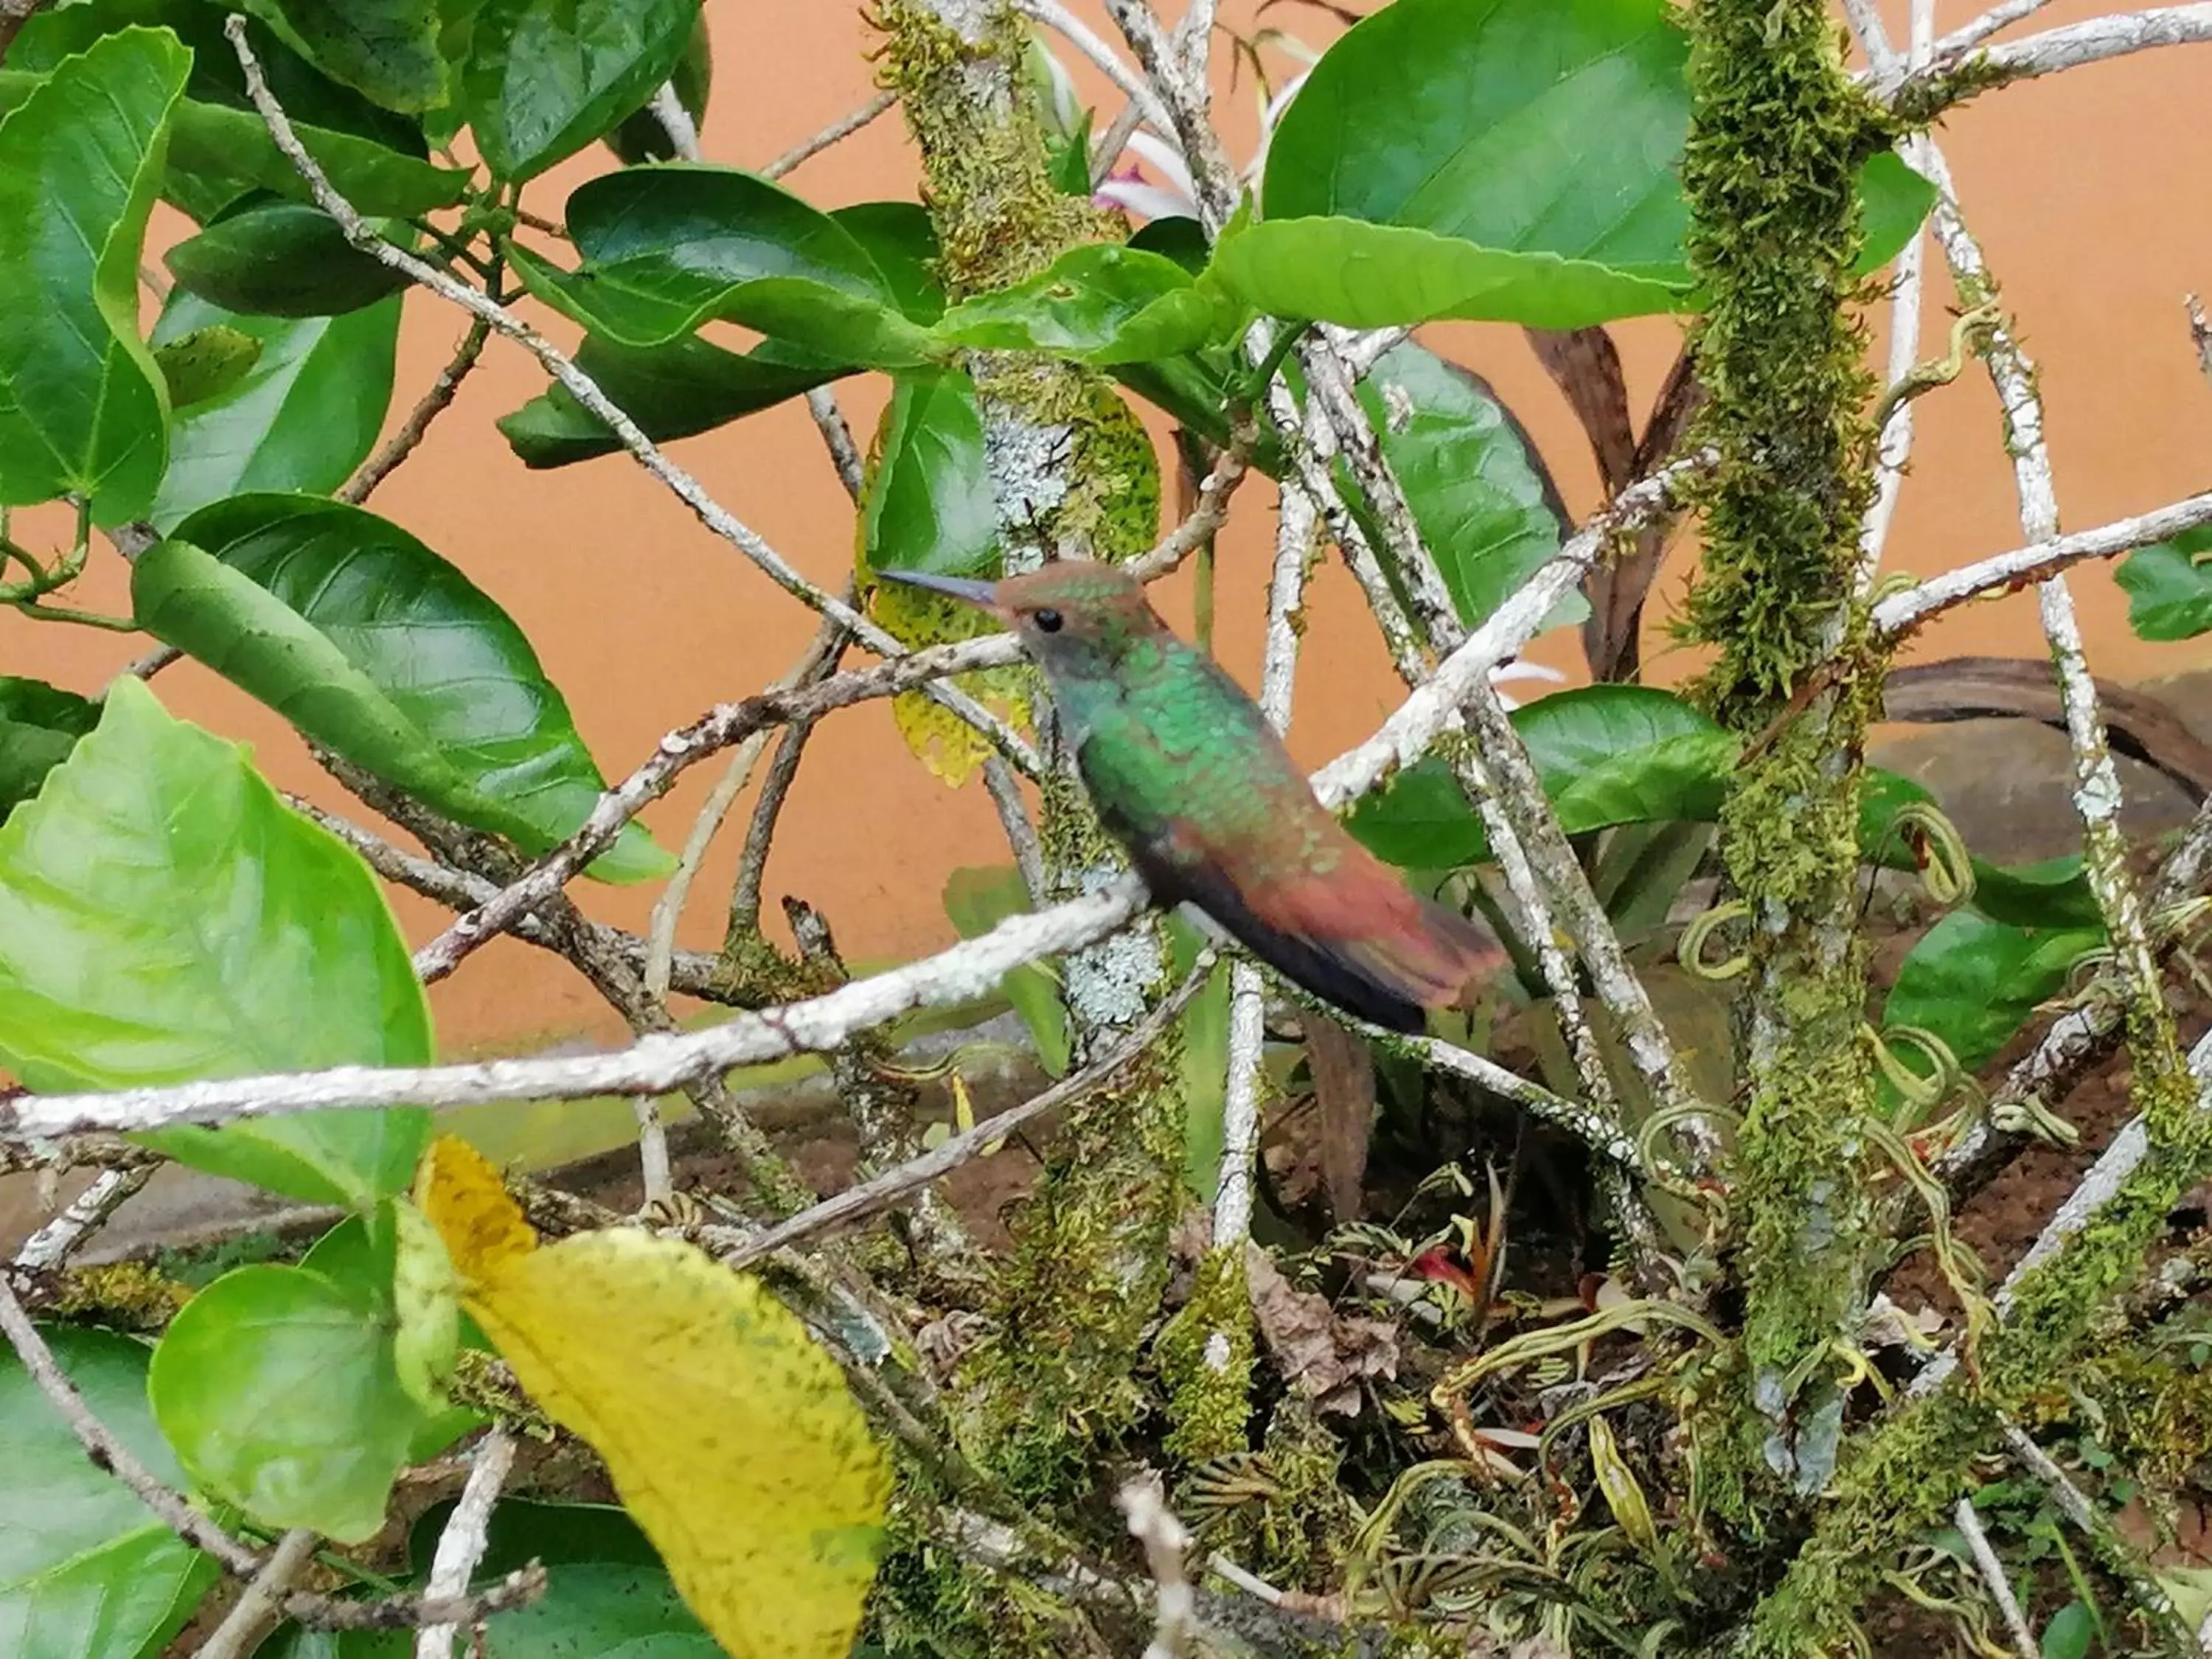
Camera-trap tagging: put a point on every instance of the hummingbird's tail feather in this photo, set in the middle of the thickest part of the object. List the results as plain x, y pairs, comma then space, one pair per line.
1386, 957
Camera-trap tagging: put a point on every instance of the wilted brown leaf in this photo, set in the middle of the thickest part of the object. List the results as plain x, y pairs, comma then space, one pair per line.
1324, 1356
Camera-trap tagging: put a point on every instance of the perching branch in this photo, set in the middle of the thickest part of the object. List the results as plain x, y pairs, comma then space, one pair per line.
461, 1544
1954, 73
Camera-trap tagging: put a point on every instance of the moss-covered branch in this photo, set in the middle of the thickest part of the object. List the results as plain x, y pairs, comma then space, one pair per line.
1777, 138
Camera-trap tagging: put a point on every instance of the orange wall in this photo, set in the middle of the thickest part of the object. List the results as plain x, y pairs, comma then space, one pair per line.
2087, 191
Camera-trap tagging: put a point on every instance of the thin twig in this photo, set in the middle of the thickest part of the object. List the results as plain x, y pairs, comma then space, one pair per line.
1126, 80
85, 1215
1993, 1576
256, 1609
1021, 838
461, 1544
434, 403
688, 490
1207, 514
1901, 614
837, 436
844, 127
2000, 16
1925, 93
2200, 333
1240, 1108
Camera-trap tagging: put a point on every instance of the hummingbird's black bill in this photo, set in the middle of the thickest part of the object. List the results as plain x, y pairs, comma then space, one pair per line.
958, 587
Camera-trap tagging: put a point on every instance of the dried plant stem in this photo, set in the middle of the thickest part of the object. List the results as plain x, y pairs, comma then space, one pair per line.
1166, 1542
83, 1216
434, 403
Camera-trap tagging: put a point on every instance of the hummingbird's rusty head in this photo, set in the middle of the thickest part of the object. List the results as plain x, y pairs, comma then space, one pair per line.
1069, 615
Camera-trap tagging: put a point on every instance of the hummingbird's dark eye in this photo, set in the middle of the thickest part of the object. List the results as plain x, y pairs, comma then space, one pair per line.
1047, 621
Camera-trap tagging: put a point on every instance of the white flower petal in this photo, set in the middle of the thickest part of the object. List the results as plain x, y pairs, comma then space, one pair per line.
1167, 162
1133, 195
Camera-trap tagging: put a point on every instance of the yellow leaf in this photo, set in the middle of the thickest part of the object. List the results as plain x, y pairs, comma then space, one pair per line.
729, 1433
941, 739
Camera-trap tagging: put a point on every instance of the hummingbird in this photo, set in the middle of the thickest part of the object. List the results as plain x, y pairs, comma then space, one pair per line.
1192, 780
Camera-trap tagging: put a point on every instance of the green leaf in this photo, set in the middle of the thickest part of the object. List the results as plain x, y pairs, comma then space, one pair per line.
929, 505
1101, 304
219, 146
39, 724
667, 248
1485, 504
164, 917
1606, 754
385, 49
280, 258
901, 242
1973, 982
86, 1570
641, 137
2070, 1632
2169, 593
1368, 275
2055, 893
544, 79
83, 409
978, 900
368, 641
1518, 160
276, 1386
305, 415
361, 1254
205, 363
672, 391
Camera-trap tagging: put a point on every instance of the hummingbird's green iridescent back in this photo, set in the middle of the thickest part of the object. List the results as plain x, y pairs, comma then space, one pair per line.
1189, 775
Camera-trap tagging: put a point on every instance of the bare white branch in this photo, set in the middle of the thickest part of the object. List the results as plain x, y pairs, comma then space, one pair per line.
467, 1536
259, 1604
1126, 80
676, 121
1953, 71
1993, 1577
2005, 573
83, 1216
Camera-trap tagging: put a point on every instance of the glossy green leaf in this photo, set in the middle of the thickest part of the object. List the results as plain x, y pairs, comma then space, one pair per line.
929, 505
1368, 275
1973, 982
164, 917
305, 413
688, 387
672, 391
86, 1571
1101, 304
204, 362
978, 900
83, 409
641, 137
2169, 592
387, 50
39, 724
1420, 821
1486, 506
276, 1386
544, 79
280, 258
667, 248
1518, 160
219, 147
370, 643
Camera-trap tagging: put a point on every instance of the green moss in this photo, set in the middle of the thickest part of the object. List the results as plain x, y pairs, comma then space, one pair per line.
1204, 1360
1054, 1379
131, 1296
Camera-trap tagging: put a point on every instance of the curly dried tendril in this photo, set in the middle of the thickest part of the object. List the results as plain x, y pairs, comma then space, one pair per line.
1946, 869
1691, 952
1921, 1091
